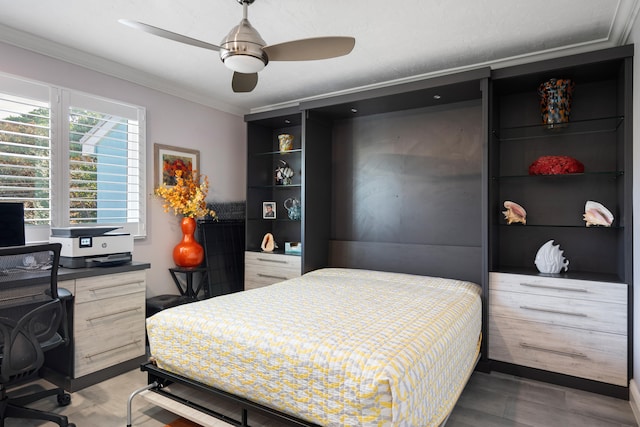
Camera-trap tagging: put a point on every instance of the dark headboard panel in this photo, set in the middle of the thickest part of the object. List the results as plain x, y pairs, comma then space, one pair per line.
455, 262
407, 191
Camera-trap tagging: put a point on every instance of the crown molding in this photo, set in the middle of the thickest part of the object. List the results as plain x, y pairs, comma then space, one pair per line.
621, 25
92, 62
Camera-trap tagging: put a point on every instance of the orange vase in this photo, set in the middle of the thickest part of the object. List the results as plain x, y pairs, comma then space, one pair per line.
188, 253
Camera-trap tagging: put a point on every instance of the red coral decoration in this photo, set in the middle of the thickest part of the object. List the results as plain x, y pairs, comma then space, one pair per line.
555, 165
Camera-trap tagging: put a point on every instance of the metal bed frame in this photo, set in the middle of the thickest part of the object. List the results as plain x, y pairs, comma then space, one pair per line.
159, 379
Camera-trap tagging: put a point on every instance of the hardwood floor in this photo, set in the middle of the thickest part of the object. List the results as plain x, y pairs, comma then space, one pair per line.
503, 400
494, 400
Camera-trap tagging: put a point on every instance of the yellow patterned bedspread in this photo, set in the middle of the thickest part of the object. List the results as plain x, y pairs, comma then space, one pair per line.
337, 347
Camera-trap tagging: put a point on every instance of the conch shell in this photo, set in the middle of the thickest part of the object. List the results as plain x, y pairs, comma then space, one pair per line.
549, 259
596, 214
268, 243
514, 213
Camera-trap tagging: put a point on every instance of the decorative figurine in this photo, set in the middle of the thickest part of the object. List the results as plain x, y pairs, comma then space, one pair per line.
283, 174
549, 259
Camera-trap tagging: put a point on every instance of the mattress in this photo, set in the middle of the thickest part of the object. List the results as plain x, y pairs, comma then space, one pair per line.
337, 347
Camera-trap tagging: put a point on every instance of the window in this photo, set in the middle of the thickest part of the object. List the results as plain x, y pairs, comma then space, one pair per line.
73, 159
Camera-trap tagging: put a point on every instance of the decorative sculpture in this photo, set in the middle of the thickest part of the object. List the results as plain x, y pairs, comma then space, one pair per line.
283, 174
549, 259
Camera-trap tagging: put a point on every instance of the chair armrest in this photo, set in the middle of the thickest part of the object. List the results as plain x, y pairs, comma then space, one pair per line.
64, 294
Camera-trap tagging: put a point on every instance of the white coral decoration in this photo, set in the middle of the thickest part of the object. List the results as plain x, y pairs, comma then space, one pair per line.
549, 259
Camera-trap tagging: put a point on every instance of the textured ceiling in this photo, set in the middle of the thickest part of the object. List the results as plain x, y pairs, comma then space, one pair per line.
395, 40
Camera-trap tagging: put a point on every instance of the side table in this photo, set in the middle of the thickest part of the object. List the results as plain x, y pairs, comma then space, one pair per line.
186, 284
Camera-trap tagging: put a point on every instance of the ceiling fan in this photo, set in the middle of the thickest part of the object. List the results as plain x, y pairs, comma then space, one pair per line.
246, 53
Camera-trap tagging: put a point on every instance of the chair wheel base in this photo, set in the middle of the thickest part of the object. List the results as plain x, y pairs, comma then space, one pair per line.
64, 399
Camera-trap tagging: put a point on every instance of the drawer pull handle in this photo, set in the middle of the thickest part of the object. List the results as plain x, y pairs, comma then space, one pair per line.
546, 310
278, 261
100, 288
557, 288
558, 352
268, 276
136, 342
114, 313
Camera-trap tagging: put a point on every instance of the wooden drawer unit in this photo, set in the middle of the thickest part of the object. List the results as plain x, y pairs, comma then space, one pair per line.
262, 269
572, 327
109, 321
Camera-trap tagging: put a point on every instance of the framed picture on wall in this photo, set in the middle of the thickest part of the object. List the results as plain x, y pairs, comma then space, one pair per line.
268, 210
167, 160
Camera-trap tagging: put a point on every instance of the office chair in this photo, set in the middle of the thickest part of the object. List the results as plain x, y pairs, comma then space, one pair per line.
31, 318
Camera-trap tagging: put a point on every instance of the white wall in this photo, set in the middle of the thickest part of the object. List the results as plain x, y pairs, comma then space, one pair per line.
220, 137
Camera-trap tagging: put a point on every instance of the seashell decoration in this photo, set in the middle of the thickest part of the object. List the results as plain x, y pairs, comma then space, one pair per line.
549, 259
514, 212
596, 214
268, 243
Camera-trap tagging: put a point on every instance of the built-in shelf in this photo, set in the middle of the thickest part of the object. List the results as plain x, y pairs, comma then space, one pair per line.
576, 275
600, 125
283, 153
595, 227
613, 174
277, 187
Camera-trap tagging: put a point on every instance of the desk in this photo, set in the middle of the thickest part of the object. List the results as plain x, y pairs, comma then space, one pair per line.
186, 286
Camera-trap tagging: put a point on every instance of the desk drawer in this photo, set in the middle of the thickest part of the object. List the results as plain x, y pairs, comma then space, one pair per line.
108, 332
100, 287
262, 269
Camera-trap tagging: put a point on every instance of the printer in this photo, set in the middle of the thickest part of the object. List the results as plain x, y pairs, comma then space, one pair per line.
92, 246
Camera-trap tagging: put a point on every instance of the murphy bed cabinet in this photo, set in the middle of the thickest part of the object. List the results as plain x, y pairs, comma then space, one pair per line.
571, 328
412, 178
309, 159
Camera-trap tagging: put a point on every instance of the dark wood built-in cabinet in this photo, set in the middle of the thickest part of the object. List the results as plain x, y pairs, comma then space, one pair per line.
598, 135
309, 159
412, 178
532, 316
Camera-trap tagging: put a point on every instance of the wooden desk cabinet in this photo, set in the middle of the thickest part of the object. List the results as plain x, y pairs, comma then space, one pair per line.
109, 321
107, 330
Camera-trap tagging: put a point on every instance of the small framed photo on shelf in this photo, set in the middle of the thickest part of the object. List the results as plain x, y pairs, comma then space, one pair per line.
268, 210
167, 160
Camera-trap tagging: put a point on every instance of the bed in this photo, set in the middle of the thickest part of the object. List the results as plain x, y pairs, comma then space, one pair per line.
334, 347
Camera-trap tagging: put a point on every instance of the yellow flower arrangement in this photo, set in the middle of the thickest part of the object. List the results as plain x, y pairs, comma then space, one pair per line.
187, 196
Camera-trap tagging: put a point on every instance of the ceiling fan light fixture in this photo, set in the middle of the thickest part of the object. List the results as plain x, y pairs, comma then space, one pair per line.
243, 63
241, 50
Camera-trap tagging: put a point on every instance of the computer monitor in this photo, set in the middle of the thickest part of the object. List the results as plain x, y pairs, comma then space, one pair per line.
11, 224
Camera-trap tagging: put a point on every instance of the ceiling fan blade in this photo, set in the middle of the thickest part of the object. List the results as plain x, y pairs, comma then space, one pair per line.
167, 34
244, 82
310, 49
